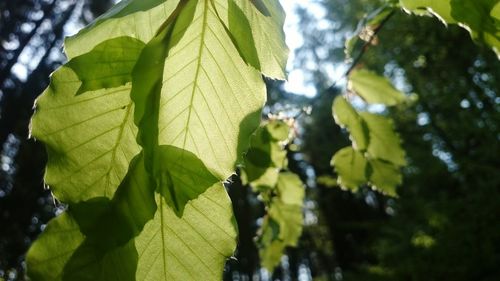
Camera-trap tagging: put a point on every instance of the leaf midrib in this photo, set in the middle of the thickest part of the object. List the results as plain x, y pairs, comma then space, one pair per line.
198, 67
115, 147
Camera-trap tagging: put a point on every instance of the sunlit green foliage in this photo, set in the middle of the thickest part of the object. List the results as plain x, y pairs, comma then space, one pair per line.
281, 191
150, 115
155, 109
450, 136
480, 17
374, 89
376, 155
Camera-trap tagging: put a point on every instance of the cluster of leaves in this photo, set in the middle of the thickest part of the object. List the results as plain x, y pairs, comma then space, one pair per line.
480, 17
376, 155
150, 115
280, 190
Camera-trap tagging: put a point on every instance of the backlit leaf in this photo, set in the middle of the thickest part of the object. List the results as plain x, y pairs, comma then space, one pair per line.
266, 157
148, 242
439, 8
355, 170
346, 116
384, 141
374, 89
385, 176
90, 138
192, 247
351, 167
283, 224
210, 99
108, 65
170, 78
132, 18
480, 17
257, 28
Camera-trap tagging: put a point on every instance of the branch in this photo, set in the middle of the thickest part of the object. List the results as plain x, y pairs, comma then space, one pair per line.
365, 47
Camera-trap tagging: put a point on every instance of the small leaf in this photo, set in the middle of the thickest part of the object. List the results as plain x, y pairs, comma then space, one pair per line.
266, 157
384, 141
346, 116
385, 176
327, 181
271, 254
281, 191
289, 219
355, 170
278, 130
374, 89
290, 189
351, 168
283, 225
482, 19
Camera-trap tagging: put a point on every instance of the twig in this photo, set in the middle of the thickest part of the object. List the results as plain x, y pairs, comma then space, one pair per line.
365, 47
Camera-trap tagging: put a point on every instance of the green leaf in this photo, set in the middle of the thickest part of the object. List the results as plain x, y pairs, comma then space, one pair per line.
257, 29
385, 177
289, 219
354, 170
374, 89
104, 230
327, 181
290, 189
439, 8
271, 254
132, 18
208, 97
350, 166
286, 208
283, 225
281, 191
192, 247
108, 227
175, 71
150, 243
180, 181
266, 156
55, 246
480, 17
384, 142
90, 138
279, 130
346, 116
495, 11
108, 65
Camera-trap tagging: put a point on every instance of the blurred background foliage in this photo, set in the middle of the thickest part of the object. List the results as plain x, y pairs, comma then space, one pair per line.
31, 36
443, 225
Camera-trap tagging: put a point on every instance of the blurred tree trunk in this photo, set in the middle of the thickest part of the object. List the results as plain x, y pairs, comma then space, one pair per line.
25, 39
